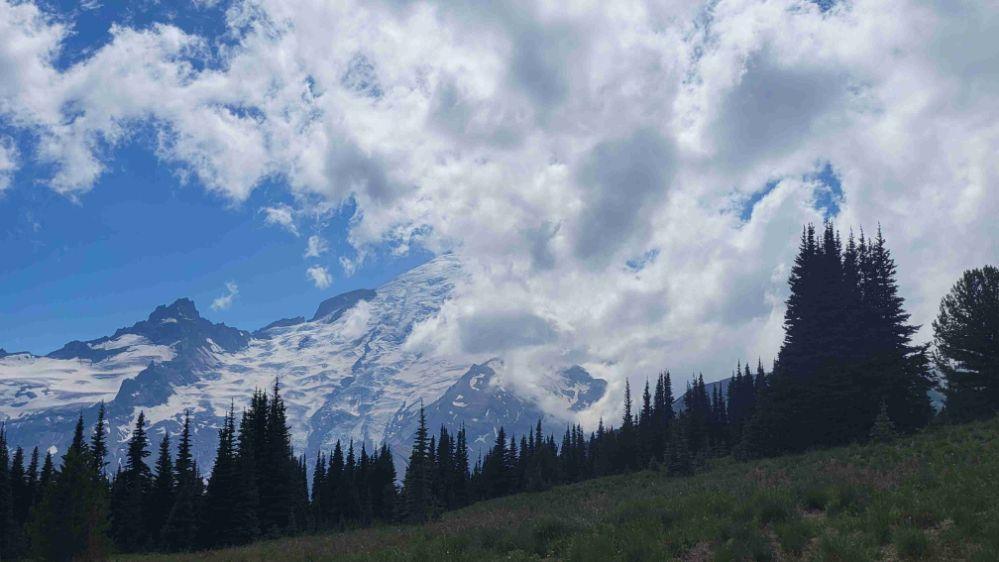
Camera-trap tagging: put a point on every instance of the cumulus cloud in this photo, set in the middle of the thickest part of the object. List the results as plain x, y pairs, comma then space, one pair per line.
224, 301
319, 276
316, 247
590, 164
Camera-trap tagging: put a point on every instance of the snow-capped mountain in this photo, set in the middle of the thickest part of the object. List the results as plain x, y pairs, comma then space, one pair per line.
345, 374
482, 402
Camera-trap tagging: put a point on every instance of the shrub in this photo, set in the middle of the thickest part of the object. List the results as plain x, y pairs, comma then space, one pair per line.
834, 547
743, 543
547, 533
794, 535
816, 498
771, 508
911, 543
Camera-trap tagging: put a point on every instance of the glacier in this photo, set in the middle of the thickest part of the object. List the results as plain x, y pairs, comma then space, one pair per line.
345, 374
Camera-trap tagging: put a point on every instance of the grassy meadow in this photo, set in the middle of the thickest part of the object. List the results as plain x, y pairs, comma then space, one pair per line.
934, 496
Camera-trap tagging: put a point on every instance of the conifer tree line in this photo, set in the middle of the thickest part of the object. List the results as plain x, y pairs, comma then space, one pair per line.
847, 371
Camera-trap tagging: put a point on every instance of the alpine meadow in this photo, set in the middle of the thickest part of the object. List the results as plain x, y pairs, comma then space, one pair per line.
311, 280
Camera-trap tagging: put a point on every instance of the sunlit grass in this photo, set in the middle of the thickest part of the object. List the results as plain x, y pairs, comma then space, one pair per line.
929, 497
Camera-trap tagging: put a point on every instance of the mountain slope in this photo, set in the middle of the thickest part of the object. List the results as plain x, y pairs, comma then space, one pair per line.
346, 373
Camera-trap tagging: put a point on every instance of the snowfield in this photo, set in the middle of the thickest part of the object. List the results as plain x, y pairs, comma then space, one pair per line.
345, 374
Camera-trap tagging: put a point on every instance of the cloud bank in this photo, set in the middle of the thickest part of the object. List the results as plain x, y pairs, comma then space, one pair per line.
623, 180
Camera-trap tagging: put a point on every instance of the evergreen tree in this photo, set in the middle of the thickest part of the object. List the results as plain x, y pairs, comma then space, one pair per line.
161, 495
8, 527
348, 501
883, 430
662, 414
301, 515
70, 521
230, 498
31, 477
129, 493
496, 469
760, 383
180, 530
461, 474
417, 480
278, 470
47, 475
628, 441
318, 504
98, 443
898, 370
383, 489
966, 335
646, 429
19, 488
847, 347
334, 485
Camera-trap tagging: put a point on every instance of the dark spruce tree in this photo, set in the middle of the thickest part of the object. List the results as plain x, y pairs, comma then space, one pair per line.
277, 470
230, 510
70, 521
417, 483
847, 347
9, 546
966, 335
161, 494
31, 477
897, 369
130, 492
180, 530
628, 446
98, 444
20, 497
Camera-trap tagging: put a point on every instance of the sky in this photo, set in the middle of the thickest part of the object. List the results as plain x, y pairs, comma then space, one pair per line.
624, 181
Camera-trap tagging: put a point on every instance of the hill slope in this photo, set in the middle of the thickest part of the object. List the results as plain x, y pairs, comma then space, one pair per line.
931, 496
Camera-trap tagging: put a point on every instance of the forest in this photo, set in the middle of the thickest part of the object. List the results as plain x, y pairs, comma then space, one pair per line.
848, 371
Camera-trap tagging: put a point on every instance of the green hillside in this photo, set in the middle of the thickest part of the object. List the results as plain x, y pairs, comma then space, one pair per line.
932, 496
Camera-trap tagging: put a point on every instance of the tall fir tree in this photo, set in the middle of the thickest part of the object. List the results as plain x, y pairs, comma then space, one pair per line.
31, 477
628, 451
98, 443
417, 483
130, 492
278, 470
70, 521
161, 494
847, 347
180, 530
229, 512
8, 527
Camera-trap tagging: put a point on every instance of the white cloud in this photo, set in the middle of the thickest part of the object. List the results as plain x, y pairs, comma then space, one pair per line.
348, 265
283, 216
316, 247
319, 276
8, 161
547, 163
224, 301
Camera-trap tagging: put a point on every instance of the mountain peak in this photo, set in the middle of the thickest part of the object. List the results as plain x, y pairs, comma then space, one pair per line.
181, 308
332, 308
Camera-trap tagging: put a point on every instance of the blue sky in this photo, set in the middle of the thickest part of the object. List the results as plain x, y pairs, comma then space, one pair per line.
632, 175
81, 268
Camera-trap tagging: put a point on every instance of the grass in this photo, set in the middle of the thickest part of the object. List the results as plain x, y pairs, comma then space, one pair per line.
928, 497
